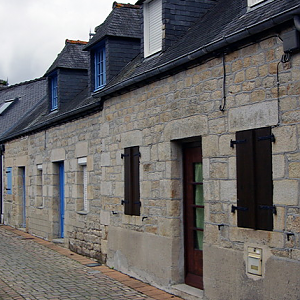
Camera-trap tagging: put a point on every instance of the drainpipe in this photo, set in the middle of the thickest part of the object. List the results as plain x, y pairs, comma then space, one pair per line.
2, 149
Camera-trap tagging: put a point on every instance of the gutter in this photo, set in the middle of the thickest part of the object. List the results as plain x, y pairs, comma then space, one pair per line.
204, 50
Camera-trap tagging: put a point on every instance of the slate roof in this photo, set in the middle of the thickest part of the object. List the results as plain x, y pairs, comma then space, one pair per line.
40, 117
228, 22
26, 97
123, 21
71, 57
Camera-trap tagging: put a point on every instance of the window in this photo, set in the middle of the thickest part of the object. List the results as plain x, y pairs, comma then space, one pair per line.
54, 98
254, 178
100, 68
152, 27
254, 2
5, 105
82, 203
132, 202
9, 180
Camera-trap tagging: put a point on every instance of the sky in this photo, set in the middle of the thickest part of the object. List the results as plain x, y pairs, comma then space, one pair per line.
33, 32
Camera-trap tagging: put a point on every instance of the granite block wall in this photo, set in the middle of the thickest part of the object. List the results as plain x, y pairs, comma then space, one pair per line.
158, 118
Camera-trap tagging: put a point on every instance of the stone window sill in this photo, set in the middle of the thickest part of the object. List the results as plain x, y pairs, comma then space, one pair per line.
82, 212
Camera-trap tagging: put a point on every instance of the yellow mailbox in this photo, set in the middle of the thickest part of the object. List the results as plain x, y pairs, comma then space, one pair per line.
255, 261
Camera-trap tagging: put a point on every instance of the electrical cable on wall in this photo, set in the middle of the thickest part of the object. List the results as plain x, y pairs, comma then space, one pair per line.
222, 106
285, 58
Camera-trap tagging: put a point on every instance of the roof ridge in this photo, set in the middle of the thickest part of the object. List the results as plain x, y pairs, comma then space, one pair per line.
126, 5
78, 42
23, 83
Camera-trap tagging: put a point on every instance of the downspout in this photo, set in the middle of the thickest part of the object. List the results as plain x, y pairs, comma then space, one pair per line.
2, 149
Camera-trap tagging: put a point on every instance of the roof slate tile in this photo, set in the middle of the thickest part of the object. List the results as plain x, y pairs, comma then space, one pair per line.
71, 57
123, 21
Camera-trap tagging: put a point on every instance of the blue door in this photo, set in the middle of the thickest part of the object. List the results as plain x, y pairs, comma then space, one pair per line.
23, 198
61, 199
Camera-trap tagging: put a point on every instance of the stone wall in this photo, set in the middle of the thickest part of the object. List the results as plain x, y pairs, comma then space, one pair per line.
157, 118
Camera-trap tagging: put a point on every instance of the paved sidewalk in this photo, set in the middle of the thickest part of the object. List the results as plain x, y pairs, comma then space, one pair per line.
32, 268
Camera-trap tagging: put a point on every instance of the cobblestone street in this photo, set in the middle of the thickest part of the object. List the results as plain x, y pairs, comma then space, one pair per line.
31, 268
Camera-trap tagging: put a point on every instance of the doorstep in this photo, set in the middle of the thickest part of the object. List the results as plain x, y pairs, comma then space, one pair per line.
187, 292
58, 241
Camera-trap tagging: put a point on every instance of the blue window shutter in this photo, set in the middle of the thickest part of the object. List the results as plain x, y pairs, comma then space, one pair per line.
100, 68
54, 102
9, 180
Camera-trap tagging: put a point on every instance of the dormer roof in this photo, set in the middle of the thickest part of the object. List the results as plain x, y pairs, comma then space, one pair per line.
71, 57
123, 21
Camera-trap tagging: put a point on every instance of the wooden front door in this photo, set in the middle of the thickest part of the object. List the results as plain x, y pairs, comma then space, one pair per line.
193, 214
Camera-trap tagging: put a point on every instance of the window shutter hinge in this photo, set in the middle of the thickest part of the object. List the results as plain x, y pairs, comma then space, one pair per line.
124, 155
137, 154
138, 203
234, 208
232, 143
273, 208
124, 202
268, 137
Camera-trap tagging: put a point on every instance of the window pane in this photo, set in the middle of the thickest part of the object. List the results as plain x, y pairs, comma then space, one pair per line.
199, 195
85, 202
54, 103
100, 79
198, 172
198, 177
199, 218
198, 240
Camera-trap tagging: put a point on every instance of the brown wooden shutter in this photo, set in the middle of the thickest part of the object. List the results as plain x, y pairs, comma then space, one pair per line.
132, 181
127, 185
136, 181
245, 179
263, 180
254, 179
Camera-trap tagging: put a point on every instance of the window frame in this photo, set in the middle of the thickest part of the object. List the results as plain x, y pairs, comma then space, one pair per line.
99, 67
254, 179
54, 91
132, 201
153, 33
82, 204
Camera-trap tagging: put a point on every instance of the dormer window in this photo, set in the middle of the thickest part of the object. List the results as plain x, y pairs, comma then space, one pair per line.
53, 91
152, 27
254, 2
100, 68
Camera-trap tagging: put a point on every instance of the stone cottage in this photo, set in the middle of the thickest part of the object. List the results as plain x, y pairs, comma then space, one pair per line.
169, 148
16, 102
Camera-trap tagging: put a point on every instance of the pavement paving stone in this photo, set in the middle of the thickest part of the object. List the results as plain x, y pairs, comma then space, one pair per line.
32, 268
